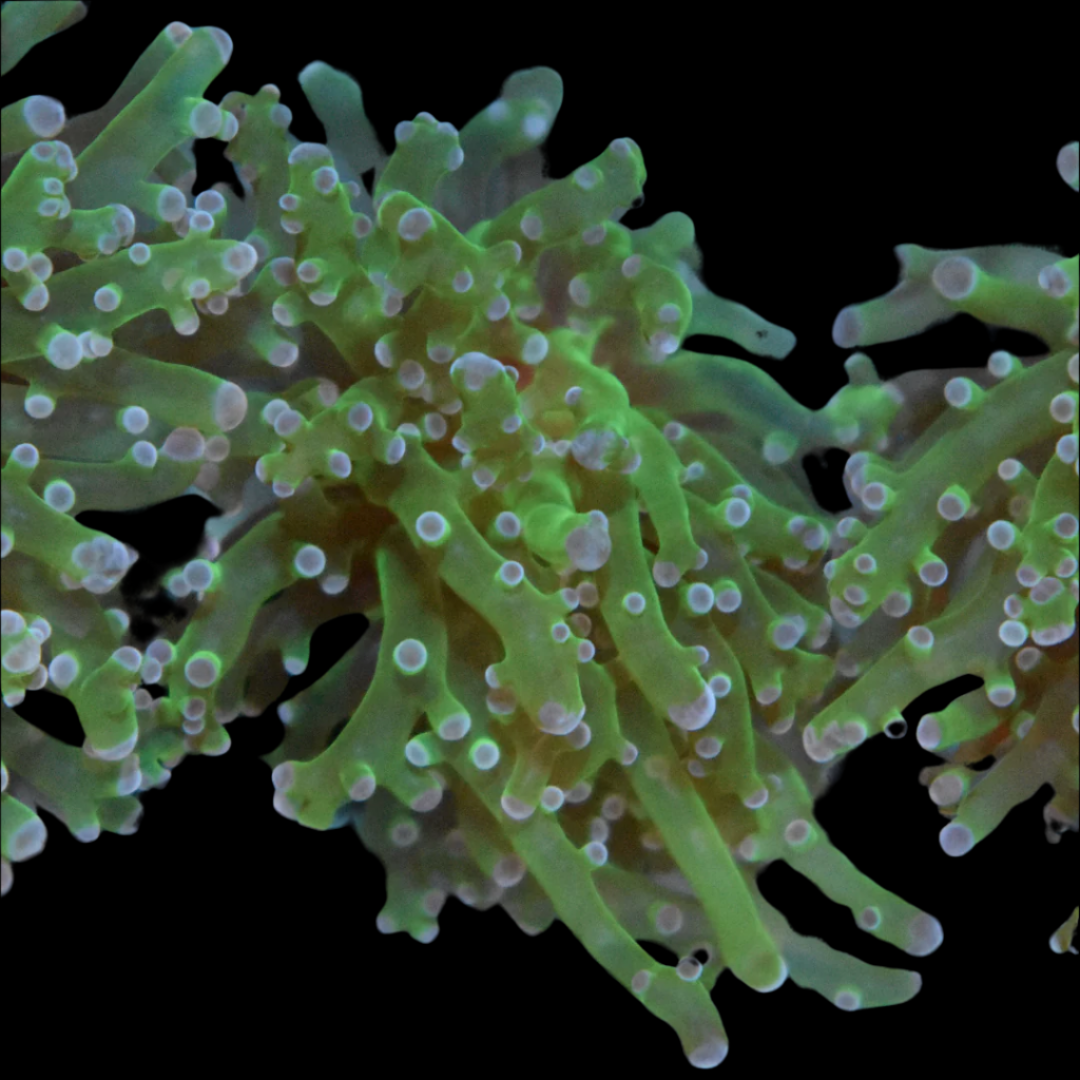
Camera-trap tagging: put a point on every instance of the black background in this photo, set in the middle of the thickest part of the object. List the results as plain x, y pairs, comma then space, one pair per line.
801, 168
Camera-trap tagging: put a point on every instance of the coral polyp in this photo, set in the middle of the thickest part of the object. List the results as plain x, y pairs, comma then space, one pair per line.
614, 642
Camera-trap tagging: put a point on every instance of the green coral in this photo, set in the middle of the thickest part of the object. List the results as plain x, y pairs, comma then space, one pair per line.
607, 618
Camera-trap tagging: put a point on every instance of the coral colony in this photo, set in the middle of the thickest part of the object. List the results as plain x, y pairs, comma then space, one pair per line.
613, 639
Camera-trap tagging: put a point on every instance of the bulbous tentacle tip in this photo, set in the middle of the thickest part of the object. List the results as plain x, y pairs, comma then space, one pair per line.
925, 934
709, 1054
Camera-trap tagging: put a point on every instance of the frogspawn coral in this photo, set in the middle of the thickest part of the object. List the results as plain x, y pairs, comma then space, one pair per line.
465, 406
